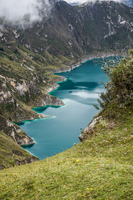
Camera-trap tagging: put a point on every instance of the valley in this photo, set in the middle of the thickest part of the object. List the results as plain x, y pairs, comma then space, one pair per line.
51, 99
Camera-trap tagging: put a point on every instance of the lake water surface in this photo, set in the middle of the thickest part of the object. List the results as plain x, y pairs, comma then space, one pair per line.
79, 93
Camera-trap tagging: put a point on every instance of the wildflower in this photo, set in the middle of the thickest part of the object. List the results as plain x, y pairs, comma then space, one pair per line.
91, 188
77, 160
87, 188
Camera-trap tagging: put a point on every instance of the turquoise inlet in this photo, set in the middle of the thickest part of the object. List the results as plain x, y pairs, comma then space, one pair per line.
79, 93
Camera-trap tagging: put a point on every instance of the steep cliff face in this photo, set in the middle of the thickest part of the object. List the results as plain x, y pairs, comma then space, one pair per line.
17, 98
98, 26
15, 132
11, 93
73, 31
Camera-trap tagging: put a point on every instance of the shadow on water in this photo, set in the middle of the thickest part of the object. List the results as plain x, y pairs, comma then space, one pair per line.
43, 108
77, 85
28, 146
19, 123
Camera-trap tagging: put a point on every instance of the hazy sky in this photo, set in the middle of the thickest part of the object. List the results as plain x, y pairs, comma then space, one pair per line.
81, 1
72, 1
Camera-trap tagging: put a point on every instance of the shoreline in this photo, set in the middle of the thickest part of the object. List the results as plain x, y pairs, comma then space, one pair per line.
73, 66
88, 58
55, 85
63, 79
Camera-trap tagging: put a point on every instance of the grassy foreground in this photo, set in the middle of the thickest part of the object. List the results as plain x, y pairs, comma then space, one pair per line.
98, 168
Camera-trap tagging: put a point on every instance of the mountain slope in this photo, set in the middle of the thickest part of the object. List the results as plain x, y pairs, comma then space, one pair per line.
74, 31
12, 154
100, 167
28, 57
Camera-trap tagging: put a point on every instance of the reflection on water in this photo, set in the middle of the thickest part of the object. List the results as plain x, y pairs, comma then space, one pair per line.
86, 95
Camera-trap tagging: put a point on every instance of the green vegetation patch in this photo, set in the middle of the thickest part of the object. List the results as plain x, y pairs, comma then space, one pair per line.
11, 153
120, 87
98, 168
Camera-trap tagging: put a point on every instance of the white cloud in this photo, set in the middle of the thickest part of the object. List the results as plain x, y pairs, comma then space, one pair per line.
16, 10
27, 11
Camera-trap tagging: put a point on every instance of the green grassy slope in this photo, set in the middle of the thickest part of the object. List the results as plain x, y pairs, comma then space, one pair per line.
98, 168
11, 153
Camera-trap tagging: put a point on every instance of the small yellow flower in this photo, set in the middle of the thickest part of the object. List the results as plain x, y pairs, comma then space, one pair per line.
87, 188
77, 160
91, 188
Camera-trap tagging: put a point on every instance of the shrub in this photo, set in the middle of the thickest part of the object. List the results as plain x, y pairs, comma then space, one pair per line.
120, 87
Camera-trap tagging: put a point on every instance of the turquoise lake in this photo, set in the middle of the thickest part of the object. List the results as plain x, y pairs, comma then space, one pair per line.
79, 93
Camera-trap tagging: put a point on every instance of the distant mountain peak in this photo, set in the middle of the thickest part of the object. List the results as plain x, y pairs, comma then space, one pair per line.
80, 3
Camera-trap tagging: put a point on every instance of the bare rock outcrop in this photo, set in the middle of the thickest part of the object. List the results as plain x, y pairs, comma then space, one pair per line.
88, 130
15, 132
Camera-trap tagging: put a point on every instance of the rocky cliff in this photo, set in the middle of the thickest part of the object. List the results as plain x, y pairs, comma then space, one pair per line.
15, 132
